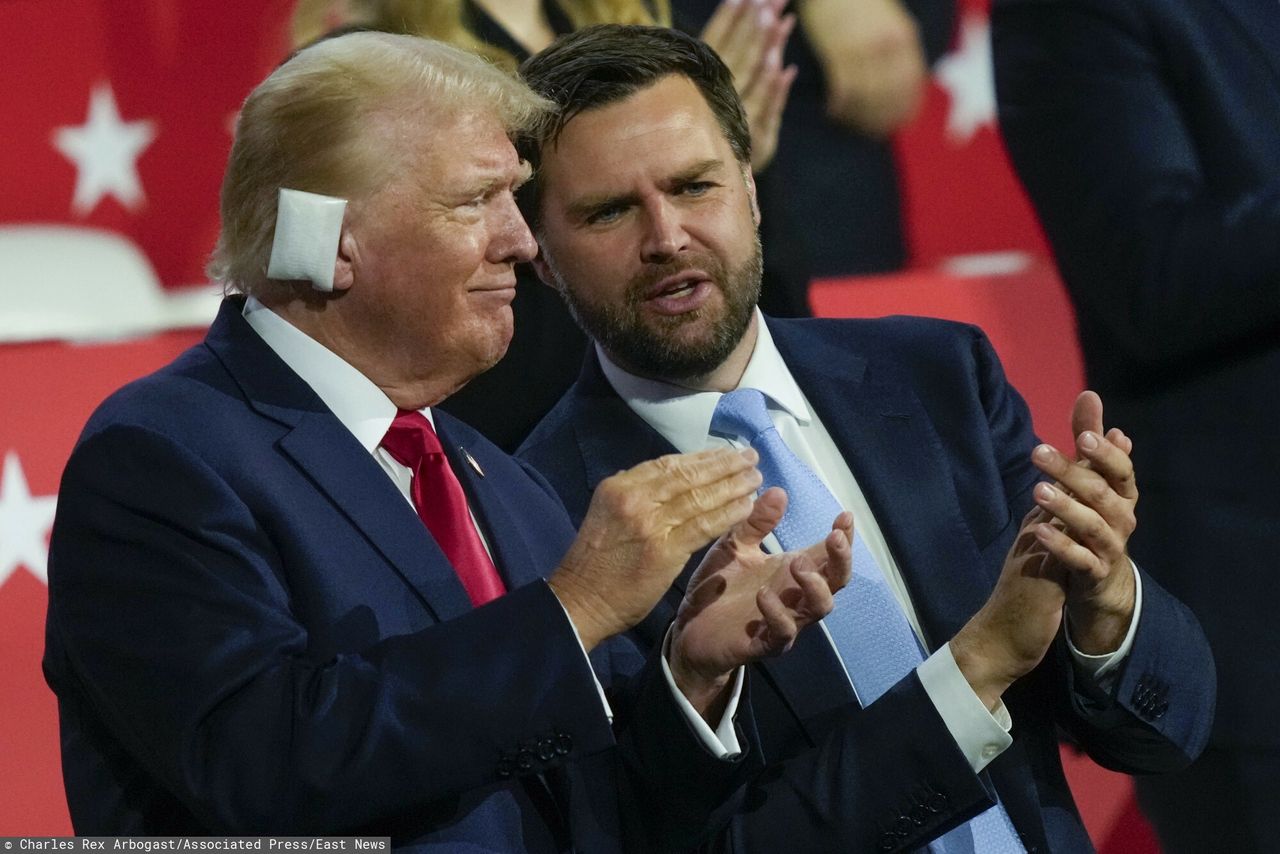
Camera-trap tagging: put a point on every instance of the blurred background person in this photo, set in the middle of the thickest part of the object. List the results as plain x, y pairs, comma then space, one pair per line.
546, 353
862, 71
1148, 135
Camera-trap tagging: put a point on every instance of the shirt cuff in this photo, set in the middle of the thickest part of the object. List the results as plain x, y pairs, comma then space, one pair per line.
981, 735
723, 742
604, 701
1100, 666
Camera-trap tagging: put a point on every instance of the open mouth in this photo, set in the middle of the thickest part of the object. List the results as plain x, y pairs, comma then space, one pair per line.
680, 293
680, 284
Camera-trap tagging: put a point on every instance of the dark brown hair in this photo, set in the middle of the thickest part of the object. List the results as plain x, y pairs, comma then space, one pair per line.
604, 64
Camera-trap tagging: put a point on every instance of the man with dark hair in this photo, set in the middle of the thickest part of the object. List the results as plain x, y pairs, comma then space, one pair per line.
287, 596
987, 606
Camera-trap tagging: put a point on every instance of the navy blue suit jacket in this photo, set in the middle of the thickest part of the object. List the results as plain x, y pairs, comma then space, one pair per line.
250, 630
1147, 133
940, 445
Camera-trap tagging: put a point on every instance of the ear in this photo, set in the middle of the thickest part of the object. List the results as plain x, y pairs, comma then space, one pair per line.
348, 259
750, 180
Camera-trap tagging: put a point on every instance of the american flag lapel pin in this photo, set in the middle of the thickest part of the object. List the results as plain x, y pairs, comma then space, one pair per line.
475, 465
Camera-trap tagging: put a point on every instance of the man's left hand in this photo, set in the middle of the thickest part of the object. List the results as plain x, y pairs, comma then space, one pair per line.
1088, 519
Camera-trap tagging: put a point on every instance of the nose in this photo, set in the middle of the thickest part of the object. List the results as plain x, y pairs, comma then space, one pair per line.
665, 236
512, 241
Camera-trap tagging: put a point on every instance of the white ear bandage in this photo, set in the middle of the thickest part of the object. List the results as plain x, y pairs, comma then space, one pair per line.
305, 246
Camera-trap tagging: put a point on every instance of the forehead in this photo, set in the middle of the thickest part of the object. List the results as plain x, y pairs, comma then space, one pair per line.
660, 128
453, 151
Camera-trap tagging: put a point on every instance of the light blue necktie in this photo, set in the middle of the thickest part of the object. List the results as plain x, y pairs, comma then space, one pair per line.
867, 626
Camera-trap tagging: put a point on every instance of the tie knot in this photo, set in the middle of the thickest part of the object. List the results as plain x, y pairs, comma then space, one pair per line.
743, 413
411, 438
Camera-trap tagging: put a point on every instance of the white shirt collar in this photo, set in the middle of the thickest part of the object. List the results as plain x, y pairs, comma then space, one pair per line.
360, 405
683, 416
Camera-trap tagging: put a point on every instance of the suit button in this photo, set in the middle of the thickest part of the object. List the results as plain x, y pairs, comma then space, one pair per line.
918, 815
937, 802
1160, 709
564, 743
524, 760
888, 841
546, 749
505, 768
903, 826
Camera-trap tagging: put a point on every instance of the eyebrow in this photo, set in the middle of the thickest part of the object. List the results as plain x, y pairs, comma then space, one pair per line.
526, 175
487, 185
587, 205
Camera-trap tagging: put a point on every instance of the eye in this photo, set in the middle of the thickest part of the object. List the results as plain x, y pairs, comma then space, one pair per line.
695, 188
605, 214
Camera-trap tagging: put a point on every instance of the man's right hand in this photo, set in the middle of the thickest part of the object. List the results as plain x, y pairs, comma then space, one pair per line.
642, 527
743, 604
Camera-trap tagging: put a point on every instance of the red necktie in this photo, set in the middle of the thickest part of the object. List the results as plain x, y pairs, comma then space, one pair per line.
442, 505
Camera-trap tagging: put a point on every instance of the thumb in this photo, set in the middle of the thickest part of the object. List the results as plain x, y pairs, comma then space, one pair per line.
1086, 413
769, 508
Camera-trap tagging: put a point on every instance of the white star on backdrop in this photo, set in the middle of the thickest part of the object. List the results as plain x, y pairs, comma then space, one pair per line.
24, 523
105, 150
969, 78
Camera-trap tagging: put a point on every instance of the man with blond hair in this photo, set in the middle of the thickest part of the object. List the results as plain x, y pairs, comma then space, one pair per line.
288, 596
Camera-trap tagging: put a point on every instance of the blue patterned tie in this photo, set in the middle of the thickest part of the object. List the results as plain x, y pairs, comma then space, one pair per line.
869, 629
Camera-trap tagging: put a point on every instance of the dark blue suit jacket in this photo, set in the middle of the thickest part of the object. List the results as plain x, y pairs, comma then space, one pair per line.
940, 445
250, 630
1147, 133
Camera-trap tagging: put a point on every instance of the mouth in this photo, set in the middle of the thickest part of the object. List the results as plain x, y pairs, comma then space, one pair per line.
500, 290
677, 285
679, 293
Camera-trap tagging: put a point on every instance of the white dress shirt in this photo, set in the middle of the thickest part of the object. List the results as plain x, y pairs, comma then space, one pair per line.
367, 412
683, 417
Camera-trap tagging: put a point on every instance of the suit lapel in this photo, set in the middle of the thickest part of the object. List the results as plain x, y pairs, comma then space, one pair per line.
611, 437
889, 444
335, 462
512, 553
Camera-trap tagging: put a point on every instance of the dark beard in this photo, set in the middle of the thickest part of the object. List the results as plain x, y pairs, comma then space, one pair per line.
650, 348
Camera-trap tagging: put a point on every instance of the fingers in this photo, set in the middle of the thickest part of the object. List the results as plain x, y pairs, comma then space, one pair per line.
839, 552
740, 35
670, 476
780, 628
766, 513
718, 24
1071, 554
1117, 437
1104, 538
832, 554
817, 595
764, 113
1109, 460
706, 511
1106, 486
1103, 478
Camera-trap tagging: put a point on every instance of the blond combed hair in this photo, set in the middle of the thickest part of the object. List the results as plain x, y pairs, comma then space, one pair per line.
446, 20
323, 122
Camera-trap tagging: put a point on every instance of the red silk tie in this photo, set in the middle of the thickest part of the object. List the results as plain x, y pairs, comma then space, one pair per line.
442, 505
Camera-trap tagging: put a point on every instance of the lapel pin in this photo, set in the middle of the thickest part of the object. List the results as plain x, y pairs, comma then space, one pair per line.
475, 465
